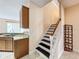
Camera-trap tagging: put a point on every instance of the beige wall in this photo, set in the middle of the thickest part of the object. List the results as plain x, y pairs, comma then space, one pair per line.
51, 14
36, 25
72, 17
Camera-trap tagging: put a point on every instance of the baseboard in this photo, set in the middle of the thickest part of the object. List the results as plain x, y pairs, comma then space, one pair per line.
31, 52
76, 50
61, 54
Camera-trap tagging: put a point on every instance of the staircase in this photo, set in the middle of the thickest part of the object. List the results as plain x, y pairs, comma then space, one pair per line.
44, 47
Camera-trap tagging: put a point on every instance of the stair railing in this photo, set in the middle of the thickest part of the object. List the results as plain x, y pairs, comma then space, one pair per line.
54, 41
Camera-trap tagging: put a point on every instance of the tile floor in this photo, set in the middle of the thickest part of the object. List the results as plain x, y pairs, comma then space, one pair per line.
6, 55
35, 55
70, 55
66, 55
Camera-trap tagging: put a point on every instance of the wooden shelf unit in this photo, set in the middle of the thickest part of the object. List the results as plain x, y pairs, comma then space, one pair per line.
68, 38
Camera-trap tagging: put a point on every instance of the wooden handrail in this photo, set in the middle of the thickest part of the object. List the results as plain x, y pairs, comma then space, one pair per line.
56, 25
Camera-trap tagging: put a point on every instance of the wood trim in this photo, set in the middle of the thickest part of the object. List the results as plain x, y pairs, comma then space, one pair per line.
5, 51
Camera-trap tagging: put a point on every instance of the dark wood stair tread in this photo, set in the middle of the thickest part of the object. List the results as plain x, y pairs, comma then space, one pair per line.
49, 33
46, 36
47, 54
44, 45
45, 40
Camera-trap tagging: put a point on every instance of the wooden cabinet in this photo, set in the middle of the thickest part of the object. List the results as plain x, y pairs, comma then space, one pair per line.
2, 45
68, 38
25, 17
21, 47
9, 45
6, 44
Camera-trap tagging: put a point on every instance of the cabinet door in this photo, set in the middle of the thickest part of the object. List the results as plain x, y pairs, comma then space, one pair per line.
2, 45
21, 47
25, 17
8, 46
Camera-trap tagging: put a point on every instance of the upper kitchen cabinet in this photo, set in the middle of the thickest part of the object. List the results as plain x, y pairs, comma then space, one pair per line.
25, 13
25, 17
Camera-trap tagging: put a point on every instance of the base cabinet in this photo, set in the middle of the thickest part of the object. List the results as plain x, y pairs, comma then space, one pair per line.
6, 44
21, 48
9, 45
2, 45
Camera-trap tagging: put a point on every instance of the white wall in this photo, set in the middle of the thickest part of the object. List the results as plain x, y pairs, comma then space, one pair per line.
3, 24
72, 18
58, 43
36, 25
3, 27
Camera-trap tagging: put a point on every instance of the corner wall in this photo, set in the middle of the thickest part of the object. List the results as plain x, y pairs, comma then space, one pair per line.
72, 17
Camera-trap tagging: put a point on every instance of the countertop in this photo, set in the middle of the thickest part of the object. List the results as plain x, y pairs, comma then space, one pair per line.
14, 36
19, 37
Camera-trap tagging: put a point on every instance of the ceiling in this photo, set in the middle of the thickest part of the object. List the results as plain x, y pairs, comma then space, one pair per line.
41, 3
69, 3
9, 9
